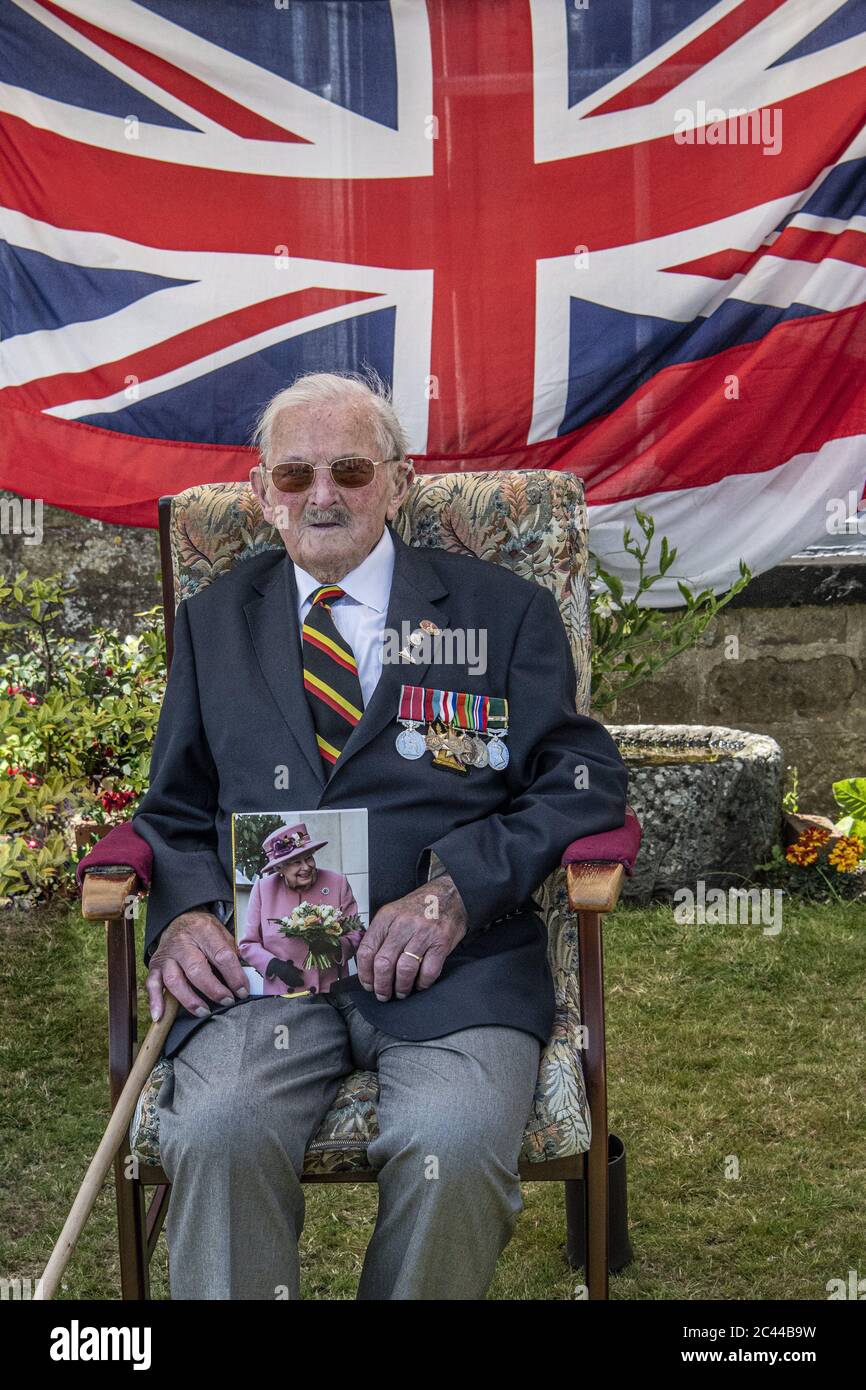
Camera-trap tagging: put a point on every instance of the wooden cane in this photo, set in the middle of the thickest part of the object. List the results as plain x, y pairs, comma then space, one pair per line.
111, 1141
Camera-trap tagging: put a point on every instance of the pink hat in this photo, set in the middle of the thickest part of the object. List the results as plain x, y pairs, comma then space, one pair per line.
288, 843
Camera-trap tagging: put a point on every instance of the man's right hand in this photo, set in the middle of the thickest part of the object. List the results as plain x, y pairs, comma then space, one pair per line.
195, 950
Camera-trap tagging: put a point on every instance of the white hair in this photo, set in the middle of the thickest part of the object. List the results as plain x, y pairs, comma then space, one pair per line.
366, 389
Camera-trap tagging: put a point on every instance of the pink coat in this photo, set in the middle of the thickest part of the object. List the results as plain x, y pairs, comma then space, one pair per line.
262, 940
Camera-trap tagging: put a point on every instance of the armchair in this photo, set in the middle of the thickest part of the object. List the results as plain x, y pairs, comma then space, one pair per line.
534, 522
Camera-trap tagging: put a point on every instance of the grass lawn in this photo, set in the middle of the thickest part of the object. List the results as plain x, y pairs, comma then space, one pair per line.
724, 1045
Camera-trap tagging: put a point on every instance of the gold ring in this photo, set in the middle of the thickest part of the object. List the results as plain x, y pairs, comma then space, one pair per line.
412, 954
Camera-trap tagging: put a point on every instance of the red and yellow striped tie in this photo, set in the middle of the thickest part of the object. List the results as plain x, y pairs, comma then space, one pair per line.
330, 677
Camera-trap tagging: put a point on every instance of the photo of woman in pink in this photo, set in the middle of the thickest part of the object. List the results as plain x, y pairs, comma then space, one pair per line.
289, 878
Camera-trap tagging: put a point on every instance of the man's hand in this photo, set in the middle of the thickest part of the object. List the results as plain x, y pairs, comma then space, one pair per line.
188, 948
429, 922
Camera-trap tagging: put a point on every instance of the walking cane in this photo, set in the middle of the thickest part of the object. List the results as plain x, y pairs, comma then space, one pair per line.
104, 1157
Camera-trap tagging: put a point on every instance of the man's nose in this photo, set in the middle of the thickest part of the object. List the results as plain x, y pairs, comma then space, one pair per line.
323, 492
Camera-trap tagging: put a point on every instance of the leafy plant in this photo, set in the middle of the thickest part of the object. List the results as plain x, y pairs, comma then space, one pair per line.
850, 796
791, 798
630, 643
815, 867
77, 720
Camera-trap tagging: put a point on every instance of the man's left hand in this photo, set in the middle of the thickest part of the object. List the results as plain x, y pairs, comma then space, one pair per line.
429, 922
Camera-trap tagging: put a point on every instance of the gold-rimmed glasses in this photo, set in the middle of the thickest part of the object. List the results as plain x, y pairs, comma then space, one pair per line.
349, 471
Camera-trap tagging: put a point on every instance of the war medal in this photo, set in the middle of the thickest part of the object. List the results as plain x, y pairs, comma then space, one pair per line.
438, 739
410, 744
479, 752
456, 723
497, 727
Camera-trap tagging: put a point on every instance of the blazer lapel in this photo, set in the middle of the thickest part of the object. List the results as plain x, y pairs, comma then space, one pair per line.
273, 622
415, 593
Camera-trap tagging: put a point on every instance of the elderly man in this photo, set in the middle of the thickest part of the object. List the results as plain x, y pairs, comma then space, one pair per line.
278, 665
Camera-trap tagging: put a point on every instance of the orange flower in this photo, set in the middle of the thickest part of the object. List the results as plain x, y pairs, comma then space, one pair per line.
804, 850
846, 854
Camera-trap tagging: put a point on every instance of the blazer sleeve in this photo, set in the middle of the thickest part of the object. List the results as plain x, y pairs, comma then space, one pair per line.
565, 779
177, 813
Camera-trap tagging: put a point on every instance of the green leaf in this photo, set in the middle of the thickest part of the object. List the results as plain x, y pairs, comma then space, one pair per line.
850, 795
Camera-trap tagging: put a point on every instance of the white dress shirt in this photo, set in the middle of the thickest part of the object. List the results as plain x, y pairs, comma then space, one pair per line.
360, 616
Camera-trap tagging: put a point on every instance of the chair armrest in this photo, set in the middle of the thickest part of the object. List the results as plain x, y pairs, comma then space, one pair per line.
619, 846
106, 891
594, 887
597, 864
122, 846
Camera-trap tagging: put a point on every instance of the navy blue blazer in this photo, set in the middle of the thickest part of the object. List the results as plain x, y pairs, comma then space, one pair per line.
235, 708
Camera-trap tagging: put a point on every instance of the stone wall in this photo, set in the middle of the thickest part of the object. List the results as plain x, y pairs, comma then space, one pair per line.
797, 673
116, 568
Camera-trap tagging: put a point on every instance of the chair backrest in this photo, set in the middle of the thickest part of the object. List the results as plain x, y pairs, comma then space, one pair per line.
532, 521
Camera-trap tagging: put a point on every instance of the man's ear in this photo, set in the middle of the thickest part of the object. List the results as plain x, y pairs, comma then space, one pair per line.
405, 477
258, 488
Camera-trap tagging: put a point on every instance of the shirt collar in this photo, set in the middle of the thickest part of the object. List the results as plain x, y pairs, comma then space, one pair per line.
369, 583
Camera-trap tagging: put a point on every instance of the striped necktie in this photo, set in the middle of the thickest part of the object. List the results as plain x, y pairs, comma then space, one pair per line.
330, 677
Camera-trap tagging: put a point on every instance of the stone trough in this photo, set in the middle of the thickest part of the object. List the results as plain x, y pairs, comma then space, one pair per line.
709, 801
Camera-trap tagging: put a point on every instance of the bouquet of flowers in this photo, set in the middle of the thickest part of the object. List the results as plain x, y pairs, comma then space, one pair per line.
320, 927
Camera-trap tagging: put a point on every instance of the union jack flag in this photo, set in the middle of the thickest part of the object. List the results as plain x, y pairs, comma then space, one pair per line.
622, 238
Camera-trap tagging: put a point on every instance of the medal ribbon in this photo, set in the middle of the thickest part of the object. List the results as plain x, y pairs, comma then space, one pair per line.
478, 713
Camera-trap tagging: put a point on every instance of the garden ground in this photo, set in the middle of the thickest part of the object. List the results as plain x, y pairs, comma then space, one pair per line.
724, 1046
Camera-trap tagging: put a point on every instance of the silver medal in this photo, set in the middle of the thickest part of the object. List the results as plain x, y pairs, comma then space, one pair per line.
497, 753
410, 744
480, 757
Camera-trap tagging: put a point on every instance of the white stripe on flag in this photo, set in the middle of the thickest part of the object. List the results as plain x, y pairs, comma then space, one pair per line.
764, 518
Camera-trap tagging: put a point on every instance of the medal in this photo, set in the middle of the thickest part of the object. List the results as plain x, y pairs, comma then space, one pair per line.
497, 727
480, 757
498, 754
410, 744
456, 725
459, 745
434, 739
445, 747
445, 759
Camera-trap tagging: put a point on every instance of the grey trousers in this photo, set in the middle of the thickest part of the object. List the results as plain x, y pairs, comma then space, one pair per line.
250, 1090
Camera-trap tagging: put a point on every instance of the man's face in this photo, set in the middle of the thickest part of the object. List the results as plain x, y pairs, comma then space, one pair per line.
301, 873
326, 530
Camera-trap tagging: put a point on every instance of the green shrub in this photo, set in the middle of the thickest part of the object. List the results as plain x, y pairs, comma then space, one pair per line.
77, 721
630, 643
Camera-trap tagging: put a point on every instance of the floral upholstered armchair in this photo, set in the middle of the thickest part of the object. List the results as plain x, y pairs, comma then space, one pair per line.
534, 523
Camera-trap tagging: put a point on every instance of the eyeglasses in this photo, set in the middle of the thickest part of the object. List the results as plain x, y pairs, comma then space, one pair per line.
350, 472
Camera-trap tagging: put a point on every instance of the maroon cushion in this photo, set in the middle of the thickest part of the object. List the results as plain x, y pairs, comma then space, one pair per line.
610, 846
121, 846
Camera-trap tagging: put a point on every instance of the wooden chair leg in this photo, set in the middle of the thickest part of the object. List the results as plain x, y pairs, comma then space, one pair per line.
122, 1033
131, 1231
597, 1257
595, 1070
